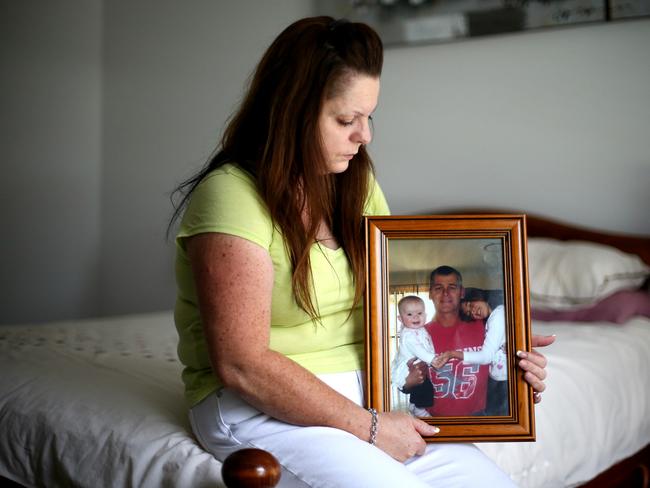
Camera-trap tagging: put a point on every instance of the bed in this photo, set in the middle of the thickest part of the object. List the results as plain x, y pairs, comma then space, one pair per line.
99, 402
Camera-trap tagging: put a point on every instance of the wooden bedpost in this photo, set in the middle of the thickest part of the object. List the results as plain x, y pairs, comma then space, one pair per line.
250, 468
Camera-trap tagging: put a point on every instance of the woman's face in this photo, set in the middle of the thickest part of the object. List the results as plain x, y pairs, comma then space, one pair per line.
345, 121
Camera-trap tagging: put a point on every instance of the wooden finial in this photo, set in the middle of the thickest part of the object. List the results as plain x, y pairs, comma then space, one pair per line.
250, 468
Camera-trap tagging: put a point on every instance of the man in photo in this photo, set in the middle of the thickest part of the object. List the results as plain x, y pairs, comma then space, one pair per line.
460, 389
487, 306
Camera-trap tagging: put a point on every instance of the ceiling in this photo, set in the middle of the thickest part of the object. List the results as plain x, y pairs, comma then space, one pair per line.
480, 261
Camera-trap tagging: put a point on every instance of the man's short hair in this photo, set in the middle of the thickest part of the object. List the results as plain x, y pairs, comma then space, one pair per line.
408, 299
445, 271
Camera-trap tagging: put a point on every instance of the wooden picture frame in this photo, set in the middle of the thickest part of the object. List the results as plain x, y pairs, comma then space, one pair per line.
489, 254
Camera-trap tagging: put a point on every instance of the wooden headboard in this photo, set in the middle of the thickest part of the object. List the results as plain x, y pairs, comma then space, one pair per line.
538, 226
543, 227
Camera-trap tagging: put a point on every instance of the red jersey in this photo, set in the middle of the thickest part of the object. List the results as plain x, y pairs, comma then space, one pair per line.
459, 389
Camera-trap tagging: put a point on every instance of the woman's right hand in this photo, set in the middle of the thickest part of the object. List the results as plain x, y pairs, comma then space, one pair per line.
400, 435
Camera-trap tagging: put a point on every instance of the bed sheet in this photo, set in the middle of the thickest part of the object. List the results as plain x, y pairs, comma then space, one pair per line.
102, 401
97, 403
595, 411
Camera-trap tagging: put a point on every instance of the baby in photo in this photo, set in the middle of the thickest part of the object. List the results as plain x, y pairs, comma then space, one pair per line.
414, 342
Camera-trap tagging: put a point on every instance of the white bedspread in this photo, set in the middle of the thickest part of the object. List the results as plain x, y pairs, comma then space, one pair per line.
99, 403
596, 410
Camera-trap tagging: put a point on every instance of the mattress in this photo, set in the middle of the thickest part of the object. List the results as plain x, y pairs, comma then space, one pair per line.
595, 411
99, 403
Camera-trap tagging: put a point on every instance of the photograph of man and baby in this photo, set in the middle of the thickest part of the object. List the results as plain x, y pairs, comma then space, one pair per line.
448, 356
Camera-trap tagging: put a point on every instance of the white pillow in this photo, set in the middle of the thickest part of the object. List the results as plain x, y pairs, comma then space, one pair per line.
572, 274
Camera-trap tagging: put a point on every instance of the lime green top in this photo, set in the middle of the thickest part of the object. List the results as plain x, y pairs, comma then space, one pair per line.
227, 201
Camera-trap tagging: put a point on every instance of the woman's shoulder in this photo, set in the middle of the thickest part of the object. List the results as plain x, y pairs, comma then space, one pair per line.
224, 184
227, 201
228, 173
376, 201
227, 182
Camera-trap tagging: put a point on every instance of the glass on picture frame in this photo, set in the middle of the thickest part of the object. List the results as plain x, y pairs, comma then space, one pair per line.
446, 310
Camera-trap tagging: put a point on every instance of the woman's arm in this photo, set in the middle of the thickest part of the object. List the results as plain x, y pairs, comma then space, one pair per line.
234, 282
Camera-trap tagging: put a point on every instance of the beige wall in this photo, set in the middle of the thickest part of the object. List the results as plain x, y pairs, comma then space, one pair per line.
50, 135
555, 122
107, 105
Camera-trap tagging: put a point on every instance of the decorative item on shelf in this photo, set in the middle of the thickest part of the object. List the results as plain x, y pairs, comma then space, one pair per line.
430, 21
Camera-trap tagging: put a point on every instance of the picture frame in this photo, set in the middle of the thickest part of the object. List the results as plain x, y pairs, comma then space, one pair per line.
471, 400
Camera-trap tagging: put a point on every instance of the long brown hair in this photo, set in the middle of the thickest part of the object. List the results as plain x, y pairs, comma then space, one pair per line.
275, 137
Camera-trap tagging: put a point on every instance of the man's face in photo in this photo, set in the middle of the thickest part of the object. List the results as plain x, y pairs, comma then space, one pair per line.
446, 292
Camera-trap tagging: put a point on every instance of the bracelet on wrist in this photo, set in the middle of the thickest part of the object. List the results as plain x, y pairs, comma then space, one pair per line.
373, 426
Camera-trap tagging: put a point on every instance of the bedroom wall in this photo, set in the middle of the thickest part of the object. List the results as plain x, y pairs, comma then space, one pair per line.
173, 74
106, 106
555, 122
50, 135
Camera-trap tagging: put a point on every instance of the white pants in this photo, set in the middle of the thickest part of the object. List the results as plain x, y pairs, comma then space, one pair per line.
328, 457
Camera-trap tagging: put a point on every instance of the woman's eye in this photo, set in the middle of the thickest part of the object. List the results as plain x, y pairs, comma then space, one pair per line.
346, 123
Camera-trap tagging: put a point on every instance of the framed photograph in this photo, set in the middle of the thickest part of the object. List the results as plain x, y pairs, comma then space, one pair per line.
446, 311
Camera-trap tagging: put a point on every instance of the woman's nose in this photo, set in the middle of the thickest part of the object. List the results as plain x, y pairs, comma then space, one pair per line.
364, 134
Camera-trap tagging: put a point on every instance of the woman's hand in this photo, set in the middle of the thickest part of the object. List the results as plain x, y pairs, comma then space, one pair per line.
400, 435
534, 365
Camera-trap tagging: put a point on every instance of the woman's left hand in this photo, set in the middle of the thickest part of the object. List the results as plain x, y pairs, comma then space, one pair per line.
534, 365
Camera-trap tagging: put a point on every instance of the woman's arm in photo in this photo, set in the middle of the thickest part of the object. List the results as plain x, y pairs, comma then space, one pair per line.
494, 339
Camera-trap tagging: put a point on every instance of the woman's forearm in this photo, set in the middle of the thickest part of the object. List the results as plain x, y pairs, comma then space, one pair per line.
281, 388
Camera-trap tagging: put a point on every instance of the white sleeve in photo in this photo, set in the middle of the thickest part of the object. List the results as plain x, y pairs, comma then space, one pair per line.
492, 351
417, 343
413, 343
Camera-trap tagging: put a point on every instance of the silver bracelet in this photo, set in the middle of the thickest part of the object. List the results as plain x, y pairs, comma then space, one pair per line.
373, 426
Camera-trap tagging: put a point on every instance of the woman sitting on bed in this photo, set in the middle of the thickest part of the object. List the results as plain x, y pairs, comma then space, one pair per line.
270, 272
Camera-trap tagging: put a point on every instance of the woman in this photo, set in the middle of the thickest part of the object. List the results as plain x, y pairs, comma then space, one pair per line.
270, 258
